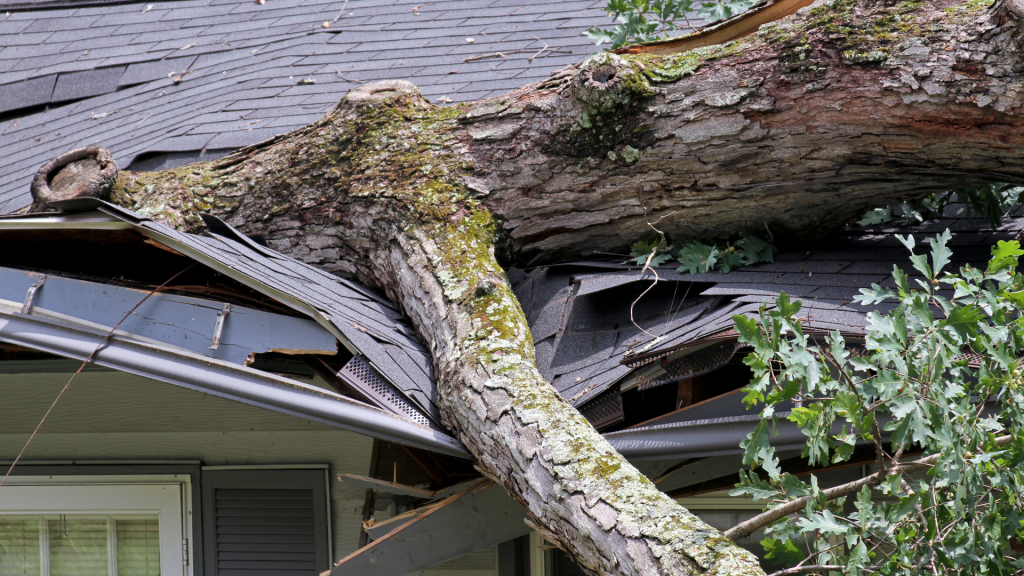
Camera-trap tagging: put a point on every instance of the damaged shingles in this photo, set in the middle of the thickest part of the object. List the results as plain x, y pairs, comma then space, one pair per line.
602, 377
421, 394
590, 283
547, 320
578, 346
579, 350
394, 352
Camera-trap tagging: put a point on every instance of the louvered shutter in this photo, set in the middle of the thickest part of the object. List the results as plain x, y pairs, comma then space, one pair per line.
265, 522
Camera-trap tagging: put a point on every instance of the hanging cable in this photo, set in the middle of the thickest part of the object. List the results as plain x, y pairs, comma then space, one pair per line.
86, 361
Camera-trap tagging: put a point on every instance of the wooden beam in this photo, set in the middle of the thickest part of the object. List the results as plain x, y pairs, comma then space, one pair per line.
385, 486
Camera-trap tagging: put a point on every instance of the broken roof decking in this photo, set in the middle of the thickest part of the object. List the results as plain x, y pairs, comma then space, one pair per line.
580, 319
362, 320
107, 72
181, 322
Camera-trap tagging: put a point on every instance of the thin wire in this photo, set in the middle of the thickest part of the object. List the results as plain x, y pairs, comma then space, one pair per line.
86, 361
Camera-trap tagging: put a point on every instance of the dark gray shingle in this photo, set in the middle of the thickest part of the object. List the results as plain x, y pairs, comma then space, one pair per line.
26, 93
239, 46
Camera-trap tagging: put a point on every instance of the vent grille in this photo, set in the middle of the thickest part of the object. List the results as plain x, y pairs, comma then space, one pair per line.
696, 364
264, 532
358, 372
605, 410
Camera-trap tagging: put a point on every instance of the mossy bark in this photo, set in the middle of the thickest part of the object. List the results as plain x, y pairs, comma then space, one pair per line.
800, 127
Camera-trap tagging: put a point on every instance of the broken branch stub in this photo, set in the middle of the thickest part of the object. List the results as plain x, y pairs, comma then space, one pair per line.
374, 93
80, 173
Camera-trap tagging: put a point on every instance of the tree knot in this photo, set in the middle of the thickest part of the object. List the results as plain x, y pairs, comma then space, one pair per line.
608, 82
486, 287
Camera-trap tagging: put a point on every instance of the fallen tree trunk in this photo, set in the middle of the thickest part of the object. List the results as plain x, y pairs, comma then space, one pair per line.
800, 128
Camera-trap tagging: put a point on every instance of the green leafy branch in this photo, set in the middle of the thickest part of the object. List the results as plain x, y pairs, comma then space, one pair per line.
697, 257
991, 201
955, 510
647, 20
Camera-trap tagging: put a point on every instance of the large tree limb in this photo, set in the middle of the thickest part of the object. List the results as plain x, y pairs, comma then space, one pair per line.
800, 127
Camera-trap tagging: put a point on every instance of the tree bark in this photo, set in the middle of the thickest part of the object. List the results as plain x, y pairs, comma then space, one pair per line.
799, 128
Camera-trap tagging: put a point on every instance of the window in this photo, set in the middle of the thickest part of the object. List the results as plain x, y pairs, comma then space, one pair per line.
52, 529
74, 544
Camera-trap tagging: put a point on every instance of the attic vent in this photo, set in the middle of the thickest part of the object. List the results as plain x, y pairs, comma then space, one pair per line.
358, 373
605, 410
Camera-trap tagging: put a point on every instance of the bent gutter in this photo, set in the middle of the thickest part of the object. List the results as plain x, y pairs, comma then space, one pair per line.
269, 391
233, 382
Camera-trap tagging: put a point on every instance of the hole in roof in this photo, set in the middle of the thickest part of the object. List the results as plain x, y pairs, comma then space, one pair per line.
13, 353
124, 258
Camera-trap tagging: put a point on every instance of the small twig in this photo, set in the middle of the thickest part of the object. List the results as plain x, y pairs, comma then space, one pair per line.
647, 264
485, 56
806, 569
541, 50
340, 14
80, 368
144, 119
342, 76
518, 51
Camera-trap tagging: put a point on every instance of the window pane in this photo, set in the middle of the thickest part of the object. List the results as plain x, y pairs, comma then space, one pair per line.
19, 546
78, 547
138, 547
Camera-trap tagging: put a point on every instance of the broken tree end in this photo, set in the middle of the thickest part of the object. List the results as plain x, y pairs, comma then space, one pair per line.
81, 173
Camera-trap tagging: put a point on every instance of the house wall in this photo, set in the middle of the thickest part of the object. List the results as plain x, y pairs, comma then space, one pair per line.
110, 416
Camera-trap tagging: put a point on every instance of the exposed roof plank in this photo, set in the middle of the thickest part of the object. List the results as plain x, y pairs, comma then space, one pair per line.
178, 321
481, 516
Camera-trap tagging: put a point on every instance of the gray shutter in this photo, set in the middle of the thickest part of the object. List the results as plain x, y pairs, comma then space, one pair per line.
265, 522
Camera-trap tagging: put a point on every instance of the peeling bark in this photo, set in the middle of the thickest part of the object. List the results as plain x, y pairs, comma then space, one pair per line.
800, 127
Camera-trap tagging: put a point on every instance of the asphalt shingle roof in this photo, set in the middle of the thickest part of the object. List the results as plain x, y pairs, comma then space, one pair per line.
106, 74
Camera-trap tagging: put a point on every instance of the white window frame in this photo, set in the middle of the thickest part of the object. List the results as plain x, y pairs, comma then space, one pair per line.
168, 497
